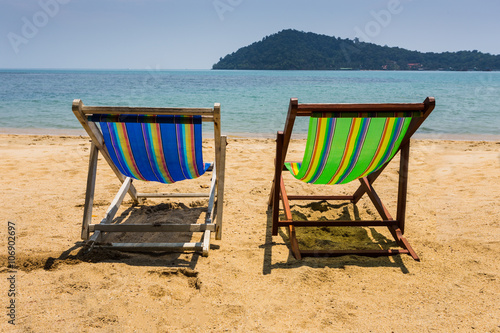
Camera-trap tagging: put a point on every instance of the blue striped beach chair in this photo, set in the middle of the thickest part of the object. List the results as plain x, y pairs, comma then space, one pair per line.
348, 142
152, 144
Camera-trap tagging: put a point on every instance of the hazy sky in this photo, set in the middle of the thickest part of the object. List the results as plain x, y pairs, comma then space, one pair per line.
194, 34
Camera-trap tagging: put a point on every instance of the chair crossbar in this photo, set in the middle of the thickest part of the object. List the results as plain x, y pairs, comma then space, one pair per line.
321, 197
338, 223
149, 247
305, 108
338, 253
173, 195
134, 118
152, 227
362, 114
89, 110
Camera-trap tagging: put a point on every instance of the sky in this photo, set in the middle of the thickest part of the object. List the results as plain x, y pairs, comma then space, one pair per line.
194, 34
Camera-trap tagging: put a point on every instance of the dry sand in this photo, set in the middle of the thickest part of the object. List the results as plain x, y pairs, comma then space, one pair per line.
250, 282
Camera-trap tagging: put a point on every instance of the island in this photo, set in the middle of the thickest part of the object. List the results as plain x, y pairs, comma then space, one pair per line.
297, 50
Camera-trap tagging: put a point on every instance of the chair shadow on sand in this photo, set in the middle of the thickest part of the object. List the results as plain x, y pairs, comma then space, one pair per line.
320, 238
174, 212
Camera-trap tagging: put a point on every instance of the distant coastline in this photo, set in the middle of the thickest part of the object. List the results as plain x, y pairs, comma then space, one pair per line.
298, 50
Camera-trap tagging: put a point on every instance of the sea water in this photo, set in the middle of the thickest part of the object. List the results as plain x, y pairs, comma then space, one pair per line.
252, 102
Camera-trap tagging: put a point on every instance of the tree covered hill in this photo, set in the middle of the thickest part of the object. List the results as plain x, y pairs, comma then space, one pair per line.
298, 50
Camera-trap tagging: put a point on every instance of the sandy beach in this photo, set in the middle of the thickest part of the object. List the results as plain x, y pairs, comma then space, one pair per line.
250, 282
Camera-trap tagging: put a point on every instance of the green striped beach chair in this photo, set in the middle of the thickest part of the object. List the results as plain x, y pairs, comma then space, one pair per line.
152, 144
346, 142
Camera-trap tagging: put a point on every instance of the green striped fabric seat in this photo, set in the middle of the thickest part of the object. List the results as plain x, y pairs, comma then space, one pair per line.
342, 149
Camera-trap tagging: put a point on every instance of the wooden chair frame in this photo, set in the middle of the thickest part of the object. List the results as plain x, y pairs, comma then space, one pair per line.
395, 226
215, 194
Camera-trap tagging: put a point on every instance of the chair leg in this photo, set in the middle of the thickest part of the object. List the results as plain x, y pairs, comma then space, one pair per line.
220, 170
403, 242
206, 243
294, 244
89, 193
271, 193
275, 193
403, 186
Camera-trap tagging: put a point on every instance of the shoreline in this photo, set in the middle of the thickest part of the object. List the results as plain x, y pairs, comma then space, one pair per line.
81, 132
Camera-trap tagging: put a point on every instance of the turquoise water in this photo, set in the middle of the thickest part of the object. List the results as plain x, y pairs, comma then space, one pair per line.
252, 102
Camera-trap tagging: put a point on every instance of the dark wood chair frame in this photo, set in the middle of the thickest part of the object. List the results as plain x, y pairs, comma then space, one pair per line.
395, 226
